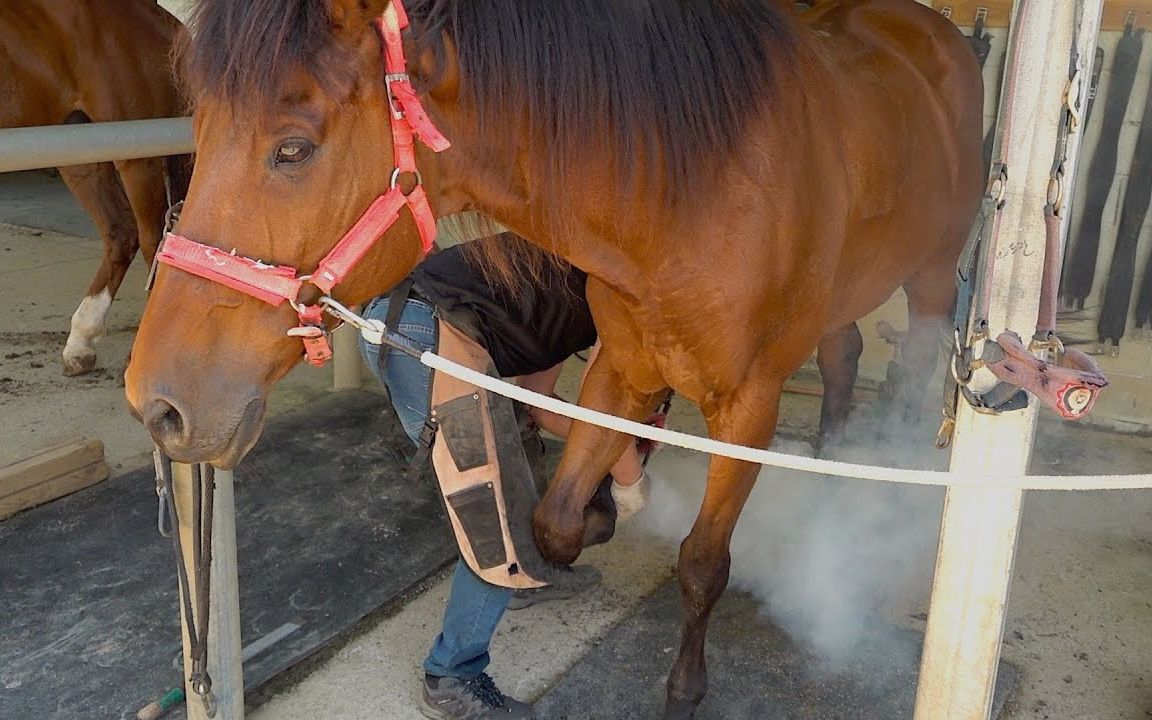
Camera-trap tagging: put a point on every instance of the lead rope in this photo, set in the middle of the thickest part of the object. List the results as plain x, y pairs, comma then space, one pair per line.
203, 492
168, 525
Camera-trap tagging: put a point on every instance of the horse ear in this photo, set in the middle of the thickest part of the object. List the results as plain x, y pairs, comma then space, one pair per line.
346, 14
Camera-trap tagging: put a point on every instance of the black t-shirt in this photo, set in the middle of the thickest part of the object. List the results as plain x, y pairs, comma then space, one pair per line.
526, 328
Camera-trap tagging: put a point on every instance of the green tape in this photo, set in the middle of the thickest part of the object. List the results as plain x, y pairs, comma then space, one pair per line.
173, 698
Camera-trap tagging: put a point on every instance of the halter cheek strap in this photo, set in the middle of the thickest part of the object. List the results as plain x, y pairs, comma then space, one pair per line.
275, 284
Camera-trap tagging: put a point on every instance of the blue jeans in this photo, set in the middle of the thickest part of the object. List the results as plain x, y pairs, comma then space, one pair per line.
474, 607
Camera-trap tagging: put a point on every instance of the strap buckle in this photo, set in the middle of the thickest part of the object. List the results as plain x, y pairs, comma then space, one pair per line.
393, 102
317, 343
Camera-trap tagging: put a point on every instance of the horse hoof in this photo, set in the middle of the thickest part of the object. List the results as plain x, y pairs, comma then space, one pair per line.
559, 544
79, 364
679, 710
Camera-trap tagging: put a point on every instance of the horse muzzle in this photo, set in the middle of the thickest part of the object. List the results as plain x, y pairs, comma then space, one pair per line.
222, 439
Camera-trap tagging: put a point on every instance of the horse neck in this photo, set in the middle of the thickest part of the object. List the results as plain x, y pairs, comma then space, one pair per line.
470, 179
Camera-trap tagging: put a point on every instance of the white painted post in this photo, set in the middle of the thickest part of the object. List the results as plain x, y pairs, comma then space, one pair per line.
980, 526
346, 357
224, 651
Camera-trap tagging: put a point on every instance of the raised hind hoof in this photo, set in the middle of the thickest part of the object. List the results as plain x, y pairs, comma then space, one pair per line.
599, 527
79, 364
679, 710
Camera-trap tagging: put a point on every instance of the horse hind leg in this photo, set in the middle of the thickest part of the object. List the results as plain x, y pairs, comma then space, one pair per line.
838, 358
748, 418
930, 295
143, 182
98, 190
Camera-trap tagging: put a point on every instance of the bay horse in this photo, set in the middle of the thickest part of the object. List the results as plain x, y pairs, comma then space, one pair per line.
740, 182
79, 62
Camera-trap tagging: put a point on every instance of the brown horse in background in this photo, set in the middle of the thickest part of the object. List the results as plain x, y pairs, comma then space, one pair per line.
740, 182
79, 61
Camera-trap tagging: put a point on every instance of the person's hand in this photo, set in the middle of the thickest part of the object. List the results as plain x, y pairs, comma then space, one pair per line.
631, 499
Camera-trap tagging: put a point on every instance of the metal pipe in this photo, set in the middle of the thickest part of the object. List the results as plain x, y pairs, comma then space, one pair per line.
30, 148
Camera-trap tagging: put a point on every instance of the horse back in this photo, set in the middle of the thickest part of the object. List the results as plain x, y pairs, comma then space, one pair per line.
58, 56
915, 130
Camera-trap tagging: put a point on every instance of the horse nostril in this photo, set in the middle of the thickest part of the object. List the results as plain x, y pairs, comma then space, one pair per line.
164, 421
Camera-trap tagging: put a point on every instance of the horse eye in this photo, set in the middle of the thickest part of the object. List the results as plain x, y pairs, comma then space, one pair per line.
293, 151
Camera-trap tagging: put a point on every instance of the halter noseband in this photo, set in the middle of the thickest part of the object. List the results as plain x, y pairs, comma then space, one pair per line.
274, 284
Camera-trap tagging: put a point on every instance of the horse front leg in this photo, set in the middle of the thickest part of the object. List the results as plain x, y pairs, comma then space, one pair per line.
590, 452
748, 417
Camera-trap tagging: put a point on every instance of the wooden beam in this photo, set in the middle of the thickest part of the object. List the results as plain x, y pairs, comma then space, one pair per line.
51, 473
963, 12
1116, 12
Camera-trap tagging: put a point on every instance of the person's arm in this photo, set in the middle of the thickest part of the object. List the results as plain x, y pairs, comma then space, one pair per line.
627, 470
545, 384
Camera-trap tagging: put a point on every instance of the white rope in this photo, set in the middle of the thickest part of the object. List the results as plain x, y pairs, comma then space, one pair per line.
777, 459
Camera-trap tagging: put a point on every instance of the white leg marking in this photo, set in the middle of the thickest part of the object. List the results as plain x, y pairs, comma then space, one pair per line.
87, 328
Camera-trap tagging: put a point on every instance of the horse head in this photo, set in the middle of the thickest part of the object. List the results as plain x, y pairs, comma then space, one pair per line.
294, 133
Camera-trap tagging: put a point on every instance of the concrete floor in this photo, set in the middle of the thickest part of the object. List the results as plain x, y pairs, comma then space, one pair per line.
1078, 615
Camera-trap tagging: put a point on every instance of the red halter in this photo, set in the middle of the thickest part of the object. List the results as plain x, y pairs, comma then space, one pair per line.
276, 283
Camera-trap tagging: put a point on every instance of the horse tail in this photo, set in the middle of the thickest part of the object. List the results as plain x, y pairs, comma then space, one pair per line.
177, 176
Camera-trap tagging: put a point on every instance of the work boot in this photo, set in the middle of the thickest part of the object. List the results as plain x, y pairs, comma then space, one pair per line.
566, 582
449, 698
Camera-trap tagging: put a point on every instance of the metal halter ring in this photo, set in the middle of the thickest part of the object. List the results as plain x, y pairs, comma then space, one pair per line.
396, 173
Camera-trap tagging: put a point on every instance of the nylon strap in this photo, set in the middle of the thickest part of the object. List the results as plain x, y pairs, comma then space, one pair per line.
396, 301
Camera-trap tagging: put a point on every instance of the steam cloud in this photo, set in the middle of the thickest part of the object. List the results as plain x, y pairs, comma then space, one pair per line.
835, 562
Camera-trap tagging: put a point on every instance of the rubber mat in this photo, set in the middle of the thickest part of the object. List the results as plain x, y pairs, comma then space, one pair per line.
755, 672
328, 527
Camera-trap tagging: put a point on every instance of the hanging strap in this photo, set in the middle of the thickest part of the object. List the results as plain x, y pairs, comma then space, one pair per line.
980, 40
1080, 271
397, 298
203, 492
1113, 320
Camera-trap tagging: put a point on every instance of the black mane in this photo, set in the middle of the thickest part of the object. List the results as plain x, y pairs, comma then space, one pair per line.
663, 90
668, 86
243, 50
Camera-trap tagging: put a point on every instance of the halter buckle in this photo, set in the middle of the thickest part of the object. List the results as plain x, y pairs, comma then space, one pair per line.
317, 342
393, 104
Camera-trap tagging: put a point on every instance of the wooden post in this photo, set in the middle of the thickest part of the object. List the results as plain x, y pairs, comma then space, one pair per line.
980, 526
346, 358
224, 659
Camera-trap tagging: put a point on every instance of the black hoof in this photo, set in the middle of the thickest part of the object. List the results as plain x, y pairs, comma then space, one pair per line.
679, 710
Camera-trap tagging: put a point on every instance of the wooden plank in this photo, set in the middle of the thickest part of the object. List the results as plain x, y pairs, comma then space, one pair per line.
53, 488
1116, 14
51, 473
963, 12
